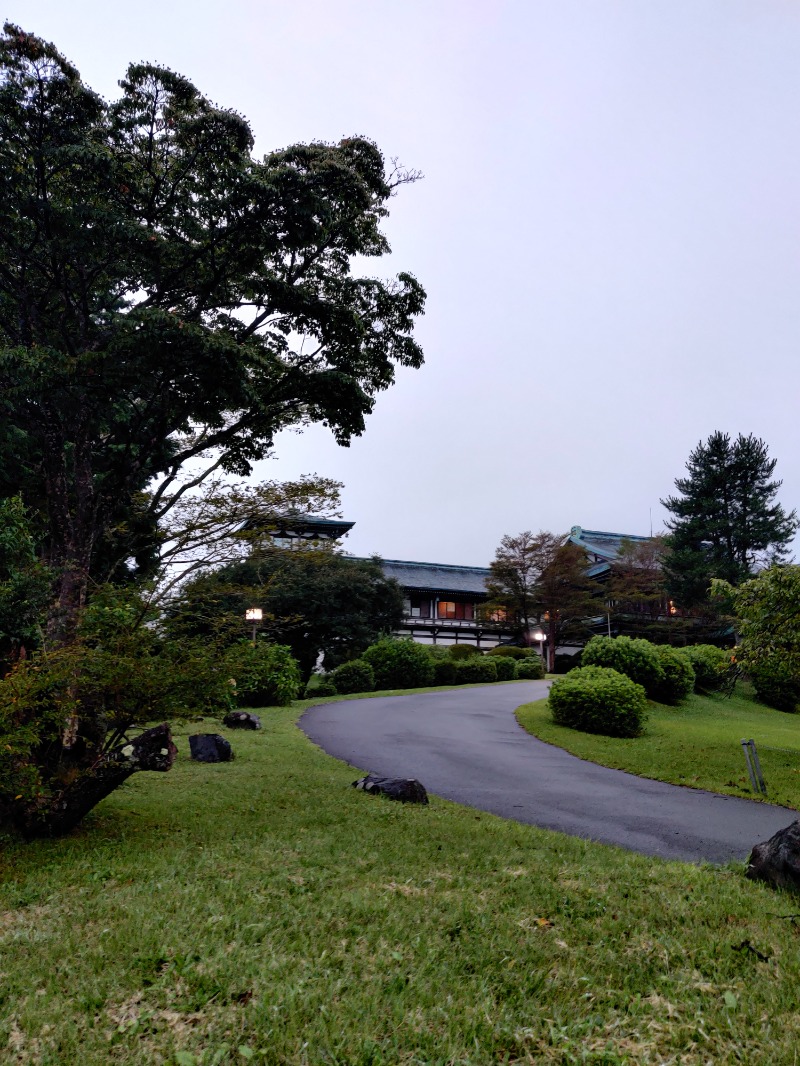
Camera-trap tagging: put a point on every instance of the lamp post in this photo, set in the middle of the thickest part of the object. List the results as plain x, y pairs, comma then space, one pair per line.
540, 638
254, 615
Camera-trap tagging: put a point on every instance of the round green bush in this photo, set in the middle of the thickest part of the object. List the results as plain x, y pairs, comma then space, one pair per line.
437, 651
678, 680
531, 669
510, 651
710, 664
597, 699
506, 668
777, 684
354, 676
475, 671
323, 687
462, 651
444, 671
266, 675
637, 659
399, 663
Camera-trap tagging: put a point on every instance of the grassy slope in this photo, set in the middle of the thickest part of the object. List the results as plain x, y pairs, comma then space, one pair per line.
697, 744
265, 905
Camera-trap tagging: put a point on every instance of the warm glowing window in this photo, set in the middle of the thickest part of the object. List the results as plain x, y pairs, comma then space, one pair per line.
499, 615
460, 611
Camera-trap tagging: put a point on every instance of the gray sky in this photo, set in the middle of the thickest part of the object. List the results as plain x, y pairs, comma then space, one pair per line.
608, 231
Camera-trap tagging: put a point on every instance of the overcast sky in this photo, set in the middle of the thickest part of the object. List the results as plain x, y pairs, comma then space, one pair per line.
608, 231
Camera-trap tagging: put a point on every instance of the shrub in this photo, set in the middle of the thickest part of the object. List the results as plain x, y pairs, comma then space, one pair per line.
444, 671
462, 651
355, 676
321, 687
399, 663
437, 651
776, 684
506, 668
678, 680
597, 699
510, 651
531, 669
637, 659
266, 675
476, 670
711, 665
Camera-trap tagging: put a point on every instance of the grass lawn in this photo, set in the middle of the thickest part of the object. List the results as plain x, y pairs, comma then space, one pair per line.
265, 911
697, 744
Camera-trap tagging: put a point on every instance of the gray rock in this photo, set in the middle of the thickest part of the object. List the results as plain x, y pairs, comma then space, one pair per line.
241, 720
407, 790
210, 747
777, 860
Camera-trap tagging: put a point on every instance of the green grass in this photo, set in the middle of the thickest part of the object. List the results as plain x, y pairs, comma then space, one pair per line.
265, 911
696, 744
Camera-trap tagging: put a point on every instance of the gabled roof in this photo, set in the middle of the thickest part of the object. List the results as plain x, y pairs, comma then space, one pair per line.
605, 546
437, 577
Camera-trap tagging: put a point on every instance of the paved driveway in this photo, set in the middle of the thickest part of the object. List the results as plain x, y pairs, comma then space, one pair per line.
466, 745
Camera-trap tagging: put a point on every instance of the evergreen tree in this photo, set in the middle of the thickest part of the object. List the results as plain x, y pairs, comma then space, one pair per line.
726, 521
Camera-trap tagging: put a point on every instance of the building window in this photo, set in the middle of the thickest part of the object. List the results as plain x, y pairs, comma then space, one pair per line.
461, 611
419, 607
499, 614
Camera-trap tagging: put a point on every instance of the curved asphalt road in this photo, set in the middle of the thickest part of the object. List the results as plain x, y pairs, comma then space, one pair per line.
466, 745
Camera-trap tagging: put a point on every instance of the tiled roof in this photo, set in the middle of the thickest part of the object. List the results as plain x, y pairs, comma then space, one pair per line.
605, 545
437, 577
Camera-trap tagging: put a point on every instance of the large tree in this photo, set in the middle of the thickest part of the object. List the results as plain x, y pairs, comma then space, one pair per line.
726, 520
542, 578
166, 299
317, 601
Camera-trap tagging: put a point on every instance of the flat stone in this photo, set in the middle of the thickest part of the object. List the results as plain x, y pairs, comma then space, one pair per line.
241, 720
405, 789
210, 747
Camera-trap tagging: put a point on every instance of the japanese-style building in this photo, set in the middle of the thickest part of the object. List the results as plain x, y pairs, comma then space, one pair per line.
602, 549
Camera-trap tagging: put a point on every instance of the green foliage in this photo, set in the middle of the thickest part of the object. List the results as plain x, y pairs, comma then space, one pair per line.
768, 609
399, 663
637, 659
711, 665
355, 676
444, 671
725, 518
530, 669
596, 699
511, 651
25, 583
564, 662
475, 670
505, 667
679, 679
160, 226
462, 651
437, 651
266, 675
322, 687
315, 601
777, 684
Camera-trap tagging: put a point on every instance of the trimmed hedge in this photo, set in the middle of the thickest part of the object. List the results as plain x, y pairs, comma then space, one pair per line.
637, 659
510, 651
506, 668
444, 671
531, 669
475, 671
462, 651
266, 675
777, 685
322, 688
354, 676
678, 680
710, 664
399, 663
597, 699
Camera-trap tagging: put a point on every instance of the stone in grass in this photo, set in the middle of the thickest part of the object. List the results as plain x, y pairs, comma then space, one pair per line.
241, 720
407, 790
777, 860
210, 747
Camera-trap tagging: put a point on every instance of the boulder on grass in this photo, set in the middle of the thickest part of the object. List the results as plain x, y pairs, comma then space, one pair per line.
210, 747
407, 790
241, 720
777, 860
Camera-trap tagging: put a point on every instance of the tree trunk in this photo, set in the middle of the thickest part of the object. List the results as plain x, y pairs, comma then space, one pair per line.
151, 750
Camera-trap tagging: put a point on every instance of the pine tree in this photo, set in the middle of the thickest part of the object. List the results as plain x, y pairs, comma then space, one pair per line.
726, 521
